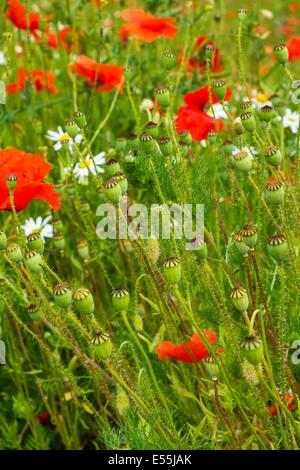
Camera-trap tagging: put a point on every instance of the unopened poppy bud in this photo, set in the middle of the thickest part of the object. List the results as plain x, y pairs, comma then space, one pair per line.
33, 261
112, 166
152, 129
172, 270
274, 193
266, 113
83, 249
228, 147
278, 247
101, 345
184, 148
123, 182
11, 182
80, 119
71, 128
153, 249
163, 97
211, 365
62, 295
248, 121
243, 161
200, 247
165, 145
57, 225
14, 252
3, 240
220, 89
249, 234
122, 401
241, 246
238, 127
59, 241
138, 322
281, 53
147, 143
170, 60
185, 136
83, 301
240, 298
36, 242
247, 107
242, 14
253, 349
129, 73
208, 52
35, 312
273, 155
112, 190
120, 299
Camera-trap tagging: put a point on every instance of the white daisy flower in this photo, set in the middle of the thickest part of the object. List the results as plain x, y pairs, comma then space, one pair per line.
258, 98
59, 135
217, 110
39, 225
87, 166
291, 120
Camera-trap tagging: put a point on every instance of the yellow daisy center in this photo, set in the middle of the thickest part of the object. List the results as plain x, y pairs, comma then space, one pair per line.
64, 137
85, 164
261, 97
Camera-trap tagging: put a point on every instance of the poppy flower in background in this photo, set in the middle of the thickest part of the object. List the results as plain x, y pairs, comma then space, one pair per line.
197, 60
17, 14
107, 76
200, 98
63, 37
145, 26
42, 81
193, 351
293, 45
43, 418
289, 402
198, 123
30, 171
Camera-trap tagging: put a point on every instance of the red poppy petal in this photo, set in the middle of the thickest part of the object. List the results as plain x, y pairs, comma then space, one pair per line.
193, 351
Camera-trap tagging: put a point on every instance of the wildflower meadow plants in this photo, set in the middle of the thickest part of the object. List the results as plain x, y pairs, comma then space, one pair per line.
155, 337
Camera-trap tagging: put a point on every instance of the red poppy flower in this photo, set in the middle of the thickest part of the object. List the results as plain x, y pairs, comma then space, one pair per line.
145, 26
107, 76
193, 351
289, 402
293, 45
200, 98
43, 418
197, 122
197, 60
62, 37
30, 171
20, 18
42, 81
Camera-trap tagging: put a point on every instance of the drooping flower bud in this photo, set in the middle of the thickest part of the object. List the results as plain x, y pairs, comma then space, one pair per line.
71, 128
273, 155
152, 129
59, 241
243, 161
248, 121
153, 249
170, 60
211, 365
33, 261
83, 301
163, 97
165, 145
112, 190
274, 193
3, 240
172, 270
242, 14
14, 252
11, 181
241, 246
253, 349
35, 312
249, 234
220, 89
80, 119
281, 53
278, 247
239, 298
120, 299
83, 249
62, 295
101, 345
112, 166
36, 242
